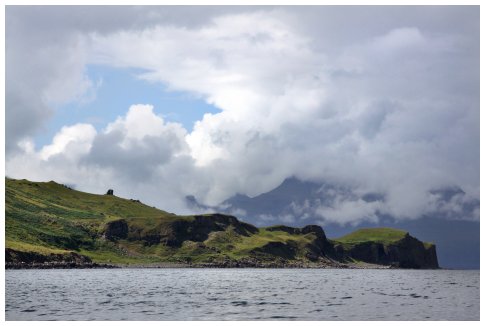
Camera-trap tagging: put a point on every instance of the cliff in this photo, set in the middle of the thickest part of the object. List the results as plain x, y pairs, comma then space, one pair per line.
50, 225
386, 246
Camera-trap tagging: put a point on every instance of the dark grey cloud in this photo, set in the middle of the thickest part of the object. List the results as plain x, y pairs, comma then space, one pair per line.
138, 161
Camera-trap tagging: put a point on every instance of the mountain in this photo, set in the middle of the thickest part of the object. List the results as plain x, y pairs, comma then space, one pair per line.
293, 202
51, 225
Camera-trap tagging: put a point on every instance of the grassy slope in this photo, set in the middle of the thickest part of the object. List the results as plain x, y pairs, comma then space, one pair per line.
385, 236
51, 218
381, 235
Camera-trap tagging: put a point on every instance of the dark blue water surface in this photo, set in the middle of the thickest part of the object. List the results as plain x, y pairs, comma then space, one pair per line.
241, 294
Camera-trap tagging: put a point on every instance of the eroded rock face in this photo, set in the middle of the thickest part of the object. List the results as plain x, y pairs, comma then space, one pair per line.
225, 221
316, 229
412, 253
408, 252
116, 230
175, 233
319, 247
369, 252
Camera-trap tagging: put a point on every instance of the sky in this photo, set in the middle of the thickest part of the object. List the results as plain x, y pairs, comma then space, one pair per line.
159, 103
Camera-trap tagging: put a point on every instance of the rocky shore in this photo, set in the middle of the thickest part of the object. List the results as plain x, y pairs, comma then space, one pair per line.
243, 263
56, 265
249, 263
23, 260
29, 260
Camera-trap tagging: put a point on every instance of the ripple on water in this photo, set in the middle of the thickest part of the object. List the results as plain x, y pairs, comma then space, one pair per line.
241, 294
283, 317
239, 303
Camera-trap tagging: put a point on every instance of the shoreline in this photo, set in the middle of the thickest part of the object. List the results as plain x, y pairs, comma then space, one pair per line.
59, 265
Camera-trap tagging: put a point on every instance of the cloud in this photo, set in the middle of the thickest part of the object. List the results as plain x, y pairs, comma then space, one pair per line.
394, 111
73, 140
230, 63
138, 155
352, 211
35, 88
137, 145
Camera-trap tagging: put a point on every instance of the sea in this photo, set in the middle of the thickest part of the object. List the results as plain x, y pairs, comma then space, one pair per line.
241, 294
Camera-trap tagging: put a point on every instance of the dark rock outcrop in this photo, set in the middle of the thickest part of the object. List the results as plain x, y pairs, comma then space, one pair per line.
15, 259
174, 233
408, 252
116, 230
412, 253
110, 192
319, 247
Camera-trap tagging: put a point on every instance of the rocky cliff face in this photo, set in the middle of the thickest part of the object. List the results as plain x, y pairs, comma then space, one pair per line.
408, 252
116, 230
412, 253
319, 247
174, 233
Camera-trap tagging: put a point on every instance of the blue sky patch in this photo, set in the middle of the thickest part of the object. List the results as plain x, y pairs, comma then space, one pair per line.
119, 89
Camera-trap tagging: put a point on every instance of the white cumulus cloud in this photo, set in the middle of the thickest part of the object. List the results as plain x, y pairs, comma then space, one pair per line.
394, 111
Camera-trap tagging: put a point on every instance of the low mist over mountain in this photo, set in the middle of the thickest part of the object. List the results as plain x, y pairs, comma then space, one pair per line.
451, 224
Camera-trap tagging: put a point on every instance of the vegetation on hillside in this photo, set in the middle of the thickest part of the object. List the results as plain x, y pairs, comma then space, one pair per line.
383, 235
49, 219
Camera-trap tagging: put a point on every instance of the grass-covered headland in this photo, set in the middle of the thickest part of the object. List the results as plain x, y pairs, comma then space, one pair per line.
49, 225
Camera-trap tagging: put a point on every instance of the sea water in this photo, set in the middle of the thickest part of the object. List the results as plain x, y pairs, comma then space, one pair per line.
242, 294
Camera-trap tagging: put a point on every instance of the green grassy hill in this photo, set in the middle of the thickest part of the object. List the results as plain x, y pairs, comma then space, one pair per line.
50, 218
385, 236
47, 221
381, 235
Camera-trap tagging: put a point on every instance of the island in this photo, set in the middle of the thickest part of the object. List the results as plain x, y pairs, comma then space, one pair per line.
50, 225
